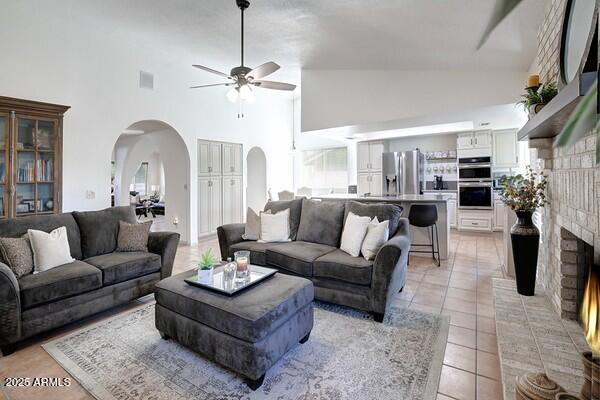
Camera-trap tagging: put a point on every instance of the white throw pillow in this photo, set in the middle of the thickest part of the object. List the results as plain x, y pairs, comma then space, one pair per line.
275, 227
377, 235
354, 233
49, 249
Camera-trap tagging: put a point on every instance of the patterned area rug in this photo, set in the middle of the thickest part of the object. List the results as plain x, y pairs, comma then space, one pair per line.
348, 356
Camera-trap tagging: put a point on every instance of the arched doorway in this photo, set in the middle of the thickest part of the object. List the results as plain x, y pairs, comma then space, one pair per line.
256, 189
152, 156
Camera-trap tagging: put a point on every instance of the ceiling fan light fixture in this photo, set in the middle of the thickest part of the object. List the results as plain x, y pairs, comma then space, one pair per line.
233, 94
246, 93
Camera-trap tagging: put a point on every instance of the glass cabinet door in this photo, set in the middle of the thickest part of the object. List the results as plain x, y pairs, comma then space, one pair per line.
35, 166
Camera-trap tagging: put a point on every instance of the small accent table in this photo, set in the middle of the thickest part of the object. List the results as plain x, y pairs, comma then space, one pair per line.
247, 332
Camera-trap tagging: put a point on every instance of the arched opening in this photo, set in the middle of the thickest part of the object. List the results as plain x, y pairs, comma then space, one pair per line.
256, 189
150, 168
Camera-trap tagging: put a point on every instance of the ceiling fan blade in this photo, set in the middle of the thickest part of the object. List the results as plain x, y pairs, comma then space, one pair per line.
214, 84
212, 71
274, 85
263, 70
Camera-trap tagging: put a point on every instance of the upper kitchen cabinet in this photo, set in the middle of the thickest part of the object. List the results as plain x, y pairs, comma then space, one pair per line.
209, 155
505, 149
369, 155
474, 140
232, 159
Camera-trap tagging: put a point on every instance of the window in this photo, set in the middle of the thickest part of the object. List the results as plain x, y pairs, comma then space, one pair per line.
140, 180
324, 170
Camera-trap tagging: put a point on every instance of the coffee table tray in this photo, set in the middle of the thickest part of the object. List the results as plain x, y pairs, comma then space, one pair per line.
219, 284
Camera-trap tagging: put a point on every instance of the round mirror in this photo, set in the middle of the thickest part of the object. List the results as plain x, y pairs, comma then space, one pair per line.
576, 37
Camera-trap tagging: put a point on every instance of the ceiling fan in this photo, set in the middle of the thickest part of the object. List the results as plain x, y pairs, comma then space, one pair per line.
242, 77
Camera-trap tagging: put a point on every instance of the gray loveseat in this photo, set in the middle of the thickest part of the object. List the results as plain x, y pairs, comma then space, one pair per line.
316, 229
97, 280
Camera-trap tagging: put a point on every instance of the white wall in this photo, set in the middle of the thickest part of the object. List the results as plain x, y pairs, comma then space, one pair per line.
59, 56
337, 98
424, 143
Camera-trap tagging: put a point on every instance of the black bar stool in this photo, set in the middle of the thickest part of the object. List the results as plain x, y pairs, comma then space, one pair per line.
425, 216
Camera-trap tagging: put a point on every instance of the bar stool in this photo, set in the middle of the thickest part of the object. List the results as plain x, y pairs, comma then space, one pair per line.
425, 216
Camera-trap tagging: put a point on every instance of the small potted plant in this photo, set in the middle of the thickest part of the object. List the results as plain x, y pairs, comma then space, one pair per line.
523, 195
537, 97
206, 266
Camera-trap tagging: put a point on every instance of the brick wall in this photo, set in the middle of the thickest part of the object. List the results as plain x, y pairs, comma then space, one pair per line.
573, 190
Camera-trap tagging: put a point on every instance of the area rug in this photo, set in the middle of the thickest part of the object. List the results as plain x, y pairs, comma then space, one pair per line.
348, 356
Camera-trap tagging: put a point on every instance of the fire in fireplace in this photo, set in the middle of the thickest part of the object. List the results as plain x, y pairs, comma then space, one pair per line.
590, 309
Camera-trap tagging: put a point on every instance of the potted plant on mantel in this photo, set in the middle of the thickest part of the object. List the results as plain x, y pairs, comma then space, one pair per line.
537, 97
524, 194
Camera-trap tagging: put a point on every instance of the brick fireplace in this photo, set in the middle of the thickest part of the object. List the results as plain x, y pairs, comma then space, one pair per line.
570, 223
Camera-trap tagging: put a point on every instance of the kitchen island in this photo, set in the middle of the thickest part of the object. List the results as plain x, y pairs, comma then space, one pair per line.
418, 235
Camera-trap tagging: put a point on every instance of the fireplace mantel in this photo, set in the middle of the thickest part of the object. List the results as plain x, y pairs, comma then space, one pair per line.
549, 122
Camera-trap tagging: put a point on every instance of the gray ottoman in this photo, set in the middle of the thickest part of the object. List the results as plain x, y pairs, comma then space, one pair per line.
247, 332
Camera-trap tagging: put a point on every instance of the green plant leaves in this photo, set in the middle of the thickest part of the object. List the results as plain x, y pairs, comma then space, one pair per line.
501, 9
582, 121
207, 260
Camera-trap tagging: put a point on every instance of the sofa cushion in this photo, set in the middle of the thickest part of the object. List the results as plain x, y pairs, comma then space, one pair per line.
340, 265
59, 282
99, 229
297, 257
120, 267
295, 207
258, 255
17, 227
321, 222
383, 212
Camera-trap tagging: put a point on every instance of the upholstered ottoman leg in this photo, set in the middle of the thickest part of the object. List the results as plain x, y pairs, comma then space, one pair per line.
305, 338
7, 349
254, 384
164, 335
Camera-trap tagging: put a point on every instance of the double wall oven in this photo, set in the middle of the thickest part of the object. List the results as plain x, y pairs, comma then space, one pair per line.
475, 189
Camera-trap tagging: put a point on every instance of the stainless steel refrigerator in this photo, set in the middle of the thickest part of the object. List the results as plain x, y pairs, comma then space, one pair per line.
402, 173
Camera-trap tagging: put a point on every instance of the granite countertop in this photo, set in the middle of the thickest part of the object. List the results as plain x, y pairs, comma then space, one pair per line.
408, 198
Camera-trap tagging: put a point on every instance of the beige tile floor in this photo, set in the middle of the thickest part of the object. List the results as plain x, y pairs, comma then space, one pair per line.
460, 288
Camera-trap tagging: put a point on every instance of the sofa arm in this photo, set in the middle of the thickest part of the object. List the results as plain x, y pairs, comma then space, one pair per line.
228, 235
165, 245
10, 307
389, 269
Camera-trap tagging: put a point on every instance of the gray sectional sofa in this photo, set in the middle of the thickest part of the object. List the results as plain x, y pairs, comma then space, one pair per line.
98, 279
316, 229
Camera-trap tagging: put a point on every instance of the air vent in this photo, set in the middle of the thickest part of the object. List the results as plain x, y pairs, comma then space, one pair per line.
146, 80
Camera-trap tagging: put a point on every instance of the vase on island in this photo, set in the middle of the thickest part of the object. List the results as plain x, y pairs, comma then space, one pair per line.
525, 236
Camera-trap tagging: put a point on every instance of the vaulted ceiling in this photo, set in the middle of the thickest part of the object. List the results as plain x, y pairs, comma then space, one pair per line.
326, 34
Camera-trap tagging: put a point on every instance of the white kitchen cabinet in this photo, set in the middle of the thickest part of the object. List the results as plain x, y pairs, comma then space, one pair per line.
209, 204
482, 139
474, 140
505, 149
464, 141
475, 220
369, 156
499, 215
376, 184
369, 183
232, 159
452, 215
232, 199
209, 158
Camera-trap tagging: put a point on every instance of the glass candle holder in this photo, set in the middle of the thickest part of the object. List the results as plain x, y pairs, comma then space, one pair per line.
242, 261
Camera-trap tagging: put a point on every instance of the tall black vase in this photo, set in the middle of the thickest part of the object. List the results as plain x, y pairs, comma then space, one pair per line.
525, 238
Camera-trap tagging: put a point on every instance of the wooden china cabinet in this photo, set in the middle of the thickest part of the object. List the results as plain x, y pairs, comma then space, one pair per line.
30, 157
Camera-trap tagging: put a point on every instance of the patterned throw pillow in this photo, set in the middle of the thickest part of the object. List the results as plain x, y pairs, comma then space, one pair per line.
17, 254
133, 237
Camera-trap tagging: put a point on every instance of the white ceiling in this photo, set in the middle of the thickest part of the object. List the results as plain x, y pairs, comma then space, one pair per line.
326, 34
